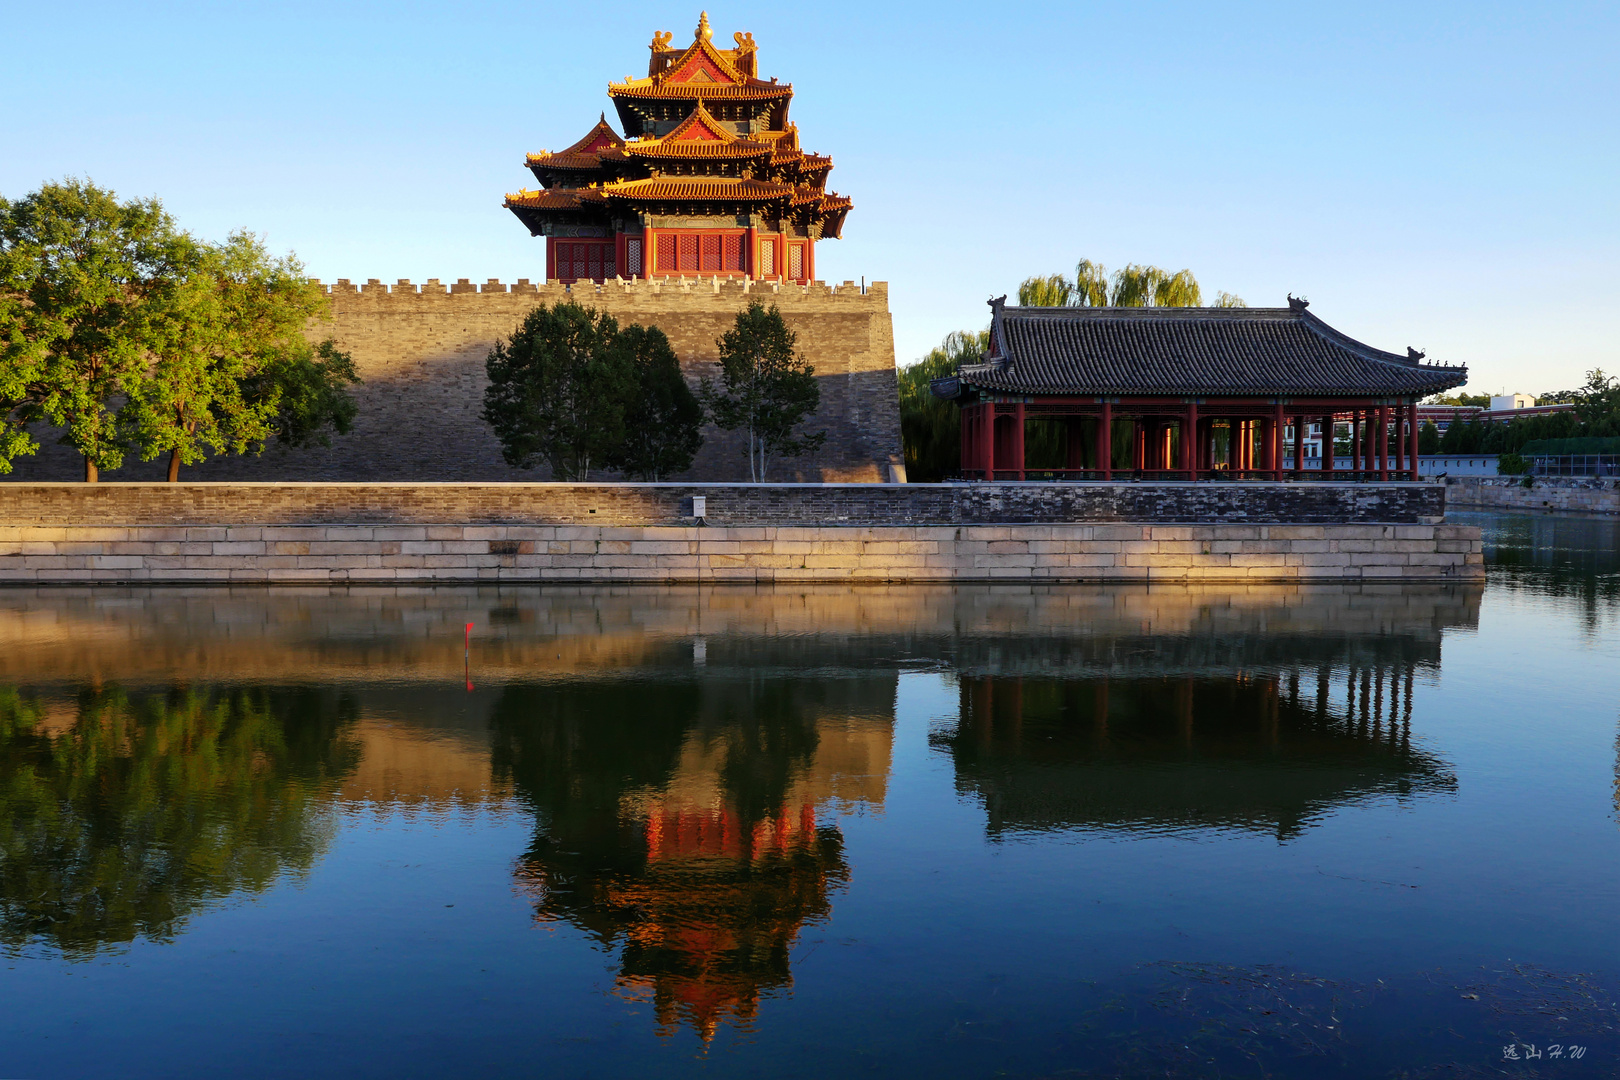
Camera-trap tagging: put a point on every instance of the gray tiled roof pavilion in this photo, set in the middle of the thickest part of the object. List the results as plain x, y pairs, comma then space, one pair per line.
1237, 352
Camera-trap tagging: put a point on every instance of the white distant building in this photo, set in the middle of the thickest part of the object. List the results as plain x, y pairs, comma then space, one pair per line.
1507, 402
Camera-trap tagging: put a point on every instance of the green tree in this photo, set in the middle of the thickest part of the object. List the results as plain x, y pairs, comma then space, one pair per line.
768, 388
557, 390
92, 285
308, 386
231, 365
1132, 286
931, 428
1428, 438
663, 426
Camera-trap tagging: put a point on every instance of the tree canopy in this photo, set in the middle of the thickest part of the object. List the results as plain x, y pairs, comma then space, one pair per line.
1131, 286
130, 335
930, 428
663, 420
558, 390
767, 388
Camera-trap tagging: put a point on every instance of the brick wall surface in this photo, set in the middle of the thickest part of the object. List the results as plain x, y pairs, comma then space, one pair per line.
421, 351
655, 554
1567, 493
208, 504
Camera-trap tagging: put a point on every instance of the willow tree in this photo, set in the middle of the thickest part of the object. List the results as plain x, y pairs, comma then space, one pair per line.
1132, 286
931, 428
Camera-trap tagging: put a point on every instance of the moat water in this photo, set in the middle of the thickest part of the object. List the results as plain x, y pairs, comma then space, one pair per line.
819, 832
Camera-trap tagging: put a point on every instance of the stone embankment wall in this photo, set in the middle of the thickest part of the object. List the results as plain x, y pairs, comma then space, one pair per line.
727, 504
644, 533
1569, 493
421, 350
579, 553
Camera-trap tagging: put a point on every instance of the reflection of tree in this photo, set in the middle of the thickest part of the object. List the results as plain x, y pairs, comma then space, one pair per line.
1179, 752
142, 809
702, 876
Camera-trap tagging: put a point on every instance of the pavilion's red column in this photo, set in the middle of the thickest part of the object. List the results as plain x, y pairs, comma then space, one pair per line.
1355, 439
1277, 426
989, 447
1138, 442
1018, 439
1383, 442
1327, 443
1400, 431
1189, 441
649, 246
1105, 441
1299, 445
1413, 444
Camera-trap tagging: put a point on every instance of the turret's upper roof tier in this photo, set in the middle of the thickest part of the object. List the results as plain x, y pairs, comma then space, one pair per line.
700, 128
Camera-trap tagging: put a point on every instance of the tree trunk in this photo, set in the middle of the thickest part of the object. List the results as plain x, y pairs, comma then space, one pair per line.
90, 474
174, 465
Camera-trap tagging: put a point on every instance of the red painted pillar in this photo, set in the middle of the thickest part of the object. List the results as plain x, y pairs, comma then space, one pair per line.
990, 441
1018, 438
1138, 443
750, 265
1383, 442
1400, 441
551, 258
1299, 446
1189, 441
1277, 426
1355, 440
810, 272
1105, 441
1413, 445
1327, 443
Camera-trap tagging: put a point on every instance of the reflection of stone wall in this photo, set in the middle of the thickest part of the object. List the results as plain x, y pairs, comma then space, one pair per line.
411, 636
421, 354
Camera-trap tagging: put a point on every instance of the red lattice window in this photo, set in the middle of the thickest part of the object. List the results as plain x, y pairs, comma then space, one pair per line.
688, 249
731, 253
710, 246
767, 258
666, 256
632, 256
796, 262
585, 260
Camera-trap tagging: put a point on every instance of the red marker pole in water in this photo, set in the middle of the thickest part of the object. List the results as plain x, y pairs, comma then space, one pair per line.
467, 656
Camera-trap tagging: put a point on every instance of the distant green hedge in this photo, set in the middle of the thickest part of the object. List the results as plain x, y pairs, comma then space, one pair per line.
1560, 447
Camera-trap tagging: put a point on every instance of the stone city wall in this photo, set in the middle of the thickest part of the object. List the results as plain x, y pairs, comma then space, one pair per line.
35, 554
1576, 494
209, 504
421, 350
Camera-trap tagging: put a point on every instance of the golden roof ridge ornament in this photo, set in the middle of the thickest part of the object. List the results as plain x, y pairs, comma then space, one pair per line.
703, 32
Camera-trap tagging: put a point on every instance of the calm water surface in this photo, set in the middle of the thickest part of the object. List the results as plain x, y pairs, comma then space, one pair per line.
817, 831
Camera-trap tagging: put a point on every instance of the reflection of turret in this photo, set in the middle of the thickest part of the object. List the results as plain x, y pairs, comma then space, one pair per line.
1183, 752
678, 822
139, 811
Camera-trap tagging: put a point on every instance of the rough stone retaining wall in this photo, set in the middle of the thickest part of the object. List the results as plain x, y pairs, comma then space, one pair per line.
35, 554
420, 350
727, 504
1572, 493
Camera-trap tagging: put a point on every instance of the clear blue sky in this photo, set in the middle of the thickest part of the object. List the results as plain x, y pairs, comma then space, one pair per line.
1440, 175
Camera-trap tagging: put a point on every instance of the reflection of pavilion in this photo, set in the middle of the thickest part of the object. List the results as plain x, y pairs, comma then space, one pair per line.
1186, 751
695, 843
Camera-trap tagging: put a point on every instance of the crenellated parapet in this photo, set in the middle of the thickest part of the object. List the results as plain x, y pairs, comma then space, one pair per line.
726, 293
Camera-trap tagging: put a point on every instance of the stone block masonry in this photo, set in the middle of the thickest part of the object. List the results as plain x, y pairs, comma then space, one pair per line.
421, 350
540, 533
39, 554
1569, 494
817, 505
